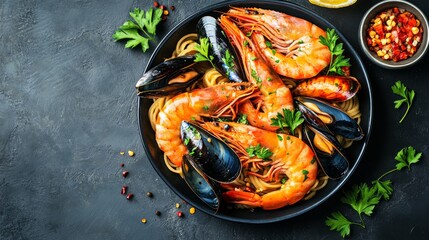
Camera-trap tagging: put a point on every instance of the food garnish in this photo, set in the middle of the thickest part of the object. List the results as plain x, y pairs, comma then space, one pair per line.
394, 34
144, 23
333, 3
289, 119
203, 51
407, 97
259, 152
338, 61
363, 198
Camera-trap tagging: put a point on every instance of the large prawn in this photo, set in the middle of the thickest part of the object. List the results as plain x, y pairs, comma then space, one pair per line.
289, 44
216, 101
275, 94
291, 157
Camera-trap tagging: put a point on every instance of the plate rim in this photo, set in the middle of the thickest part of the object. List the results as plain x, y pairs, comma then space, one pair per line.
306, 11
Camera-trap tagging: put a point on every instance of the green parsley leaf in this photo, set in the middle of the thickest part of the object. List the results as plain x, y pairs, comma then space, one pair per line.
229, 62
203, 51
242, 118
407, 97
279, 137
337, 59
259, 152
284, 179
362, 198
384, 188
339, 223
144, 23
255, 76
406, 157
305, 172
290, 119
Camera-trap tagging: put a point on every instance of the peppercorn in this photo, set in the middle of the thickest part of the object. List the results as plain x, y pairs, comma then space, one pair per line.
122, 165
172, 8
144, 220
131, 153
122, 153
177, 205
179, 214
155, 4
149, 194
192, 210
125, 173
124, 190
162, 7
157, 213
165, 12
130, 196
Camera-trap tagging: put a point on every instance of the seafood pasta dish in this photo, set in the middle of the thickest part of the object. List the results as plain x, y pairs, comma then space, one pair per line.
254, 109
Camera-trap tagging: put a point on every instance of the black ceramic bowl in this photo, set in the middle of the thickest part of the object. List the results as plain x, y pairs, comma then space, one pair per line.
178, 185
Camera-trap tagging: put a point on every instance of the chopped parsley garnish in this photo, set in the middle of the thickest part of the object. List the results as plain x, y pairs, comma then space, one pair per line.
305, 172
259, 152
242, 118
255, 76
279, 137
289, 119
229, 61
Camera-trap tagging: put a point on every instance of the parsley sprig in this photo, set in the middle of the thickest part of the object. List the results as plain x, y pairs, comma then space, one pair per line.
338, 61
202, 54
144, 22
259, 152
289, 119
363, 198
407, 97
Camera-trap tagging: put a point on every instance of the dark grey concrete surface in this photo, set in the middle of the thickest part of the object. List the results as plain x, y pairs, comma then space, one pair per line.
68, 107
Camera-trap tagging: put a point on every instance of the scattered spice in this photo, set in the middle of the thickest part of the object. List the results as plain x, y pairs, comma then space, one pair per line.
122, 165
192, 210
125, 174
179, 214
162, 7
165, 12
149, 194
131, 153
144, 220
155, 4
130, 196
172, 8
177, 205
157, 213
124, 190
394, 34
122, 153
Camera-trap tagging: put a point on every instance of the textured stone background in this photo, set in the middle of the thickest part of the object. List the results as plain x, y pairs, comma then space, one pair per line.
68, 107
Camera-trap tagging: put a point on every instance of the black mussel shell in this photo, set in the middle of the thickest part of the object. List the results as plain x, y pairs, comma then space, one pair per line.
335, 165
204, 188
342, 124
224, 56
210, 155
157, 82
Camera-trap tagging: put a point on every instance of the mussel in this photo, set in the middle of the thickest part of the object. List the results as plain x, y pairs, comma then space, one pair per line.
168, 78
224, 56
210, 155
327, 150
204, 188
337, 121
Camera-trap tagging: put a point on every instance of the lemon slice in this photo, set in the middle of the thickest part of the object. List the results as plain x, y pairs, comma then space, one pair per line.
333, 3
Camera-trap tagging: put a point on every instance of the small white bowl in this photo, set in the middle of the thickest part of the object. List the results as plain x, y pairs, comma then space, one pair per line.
384, 5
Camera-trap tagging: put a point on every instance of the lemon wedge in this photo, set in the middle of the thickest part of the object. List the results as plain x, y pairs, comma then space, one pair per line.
333, 3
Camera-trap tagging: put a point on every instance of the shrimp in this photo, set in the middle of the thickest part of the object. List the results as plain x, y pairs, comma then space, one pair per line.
333, 88
216, 101
289, 44
291, 156
275, 93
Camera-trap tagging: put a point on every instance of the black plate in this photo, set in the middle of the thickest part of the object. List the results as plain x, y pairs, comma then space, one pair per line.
155, 155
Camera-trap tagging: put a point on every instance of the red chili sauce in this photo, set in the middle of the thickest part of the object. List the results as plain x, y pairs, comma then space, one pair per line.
394, 34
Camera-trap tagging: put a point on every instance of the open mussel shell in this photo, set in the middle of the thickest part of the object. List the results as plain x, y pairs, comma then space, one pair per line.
338, 121
168, 78
334, 163
224, 56
210, 155
204, 188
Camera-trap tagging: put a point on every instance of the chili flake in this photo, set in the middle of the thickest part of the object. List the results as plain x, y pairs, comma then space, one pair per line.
394, 34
